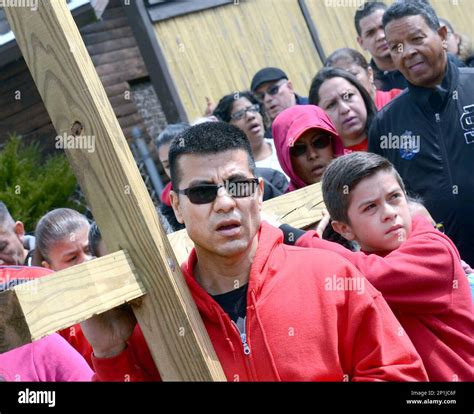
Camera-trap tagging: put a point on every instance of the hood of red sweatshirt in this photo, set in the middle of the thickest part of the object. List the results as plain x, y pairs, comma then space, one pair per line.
290, 125
165, 195
261, 271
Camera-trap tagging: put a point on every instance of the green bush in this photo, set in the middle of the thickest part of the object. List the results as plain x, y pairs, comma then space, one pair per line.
31, 186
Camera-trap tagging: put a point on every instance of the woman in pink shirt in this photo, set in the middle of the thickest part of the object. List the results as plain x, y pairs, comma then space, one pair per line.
48, 359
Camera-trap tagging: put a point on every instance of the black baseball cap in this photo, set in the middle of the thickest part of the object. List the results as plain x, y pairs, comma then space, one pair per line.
267, 75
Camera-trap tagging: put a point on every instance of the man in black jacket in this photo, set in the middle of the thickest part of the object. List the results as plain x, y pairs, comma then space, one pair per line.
427, 132
371, 37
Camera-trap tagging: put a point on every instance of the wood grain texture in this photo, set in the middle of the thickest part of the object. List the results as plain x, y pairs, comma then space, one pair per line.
73, 95
217, 51
14, 330
335, 24
62, 299
299, 209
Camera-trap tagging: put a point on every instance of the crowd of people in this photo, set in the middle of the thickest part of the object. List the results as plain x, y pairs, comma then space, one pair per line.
379, 291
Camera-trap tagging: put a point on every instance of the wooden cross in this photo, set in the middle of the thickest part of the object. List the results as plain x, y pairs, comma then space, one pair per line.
143, 264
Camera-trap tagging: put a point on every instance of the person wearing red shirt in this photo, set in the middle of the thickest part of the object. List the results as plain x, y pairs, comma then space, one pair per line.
348, 104
62, 242
266, 306
417, 268
355, 63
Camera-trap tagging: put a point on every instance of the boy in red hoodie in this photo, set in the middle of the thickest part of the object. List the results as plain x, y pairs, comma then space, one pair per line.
416, 267
265, 306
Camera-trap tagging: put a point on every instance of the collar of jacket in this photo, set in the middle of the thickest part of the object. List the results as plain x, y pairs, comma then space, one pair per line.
436, 97
261, 271
382, 74
301, 100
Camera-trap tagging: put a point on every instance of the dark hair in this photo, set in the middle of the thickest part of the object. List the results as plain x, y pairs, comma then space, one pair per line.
329, 73
224, 107
348, 55
169, 133
5, 216
366, 10
94, 239
344, 173
413, 8
207, 138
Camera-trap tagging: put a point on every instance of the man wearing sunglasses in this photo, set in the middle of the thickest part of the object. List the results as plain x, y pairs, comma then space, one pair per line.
271, 310
273, 88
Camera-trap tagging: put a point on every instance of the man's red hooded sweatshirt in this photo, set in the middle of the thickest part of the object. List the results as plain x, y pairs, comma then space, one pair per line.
290, 125
296, 329
427, 289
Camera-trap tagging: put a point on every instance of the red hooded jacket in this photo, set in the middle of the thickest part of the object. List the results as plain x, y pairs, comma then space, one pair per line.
426, 287
165, 195
290, 125
296, 329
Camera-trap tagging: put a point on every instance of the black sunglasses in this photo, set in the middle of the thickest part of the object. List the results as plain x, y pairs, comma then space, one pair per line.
271, 90
207, 193
319, 142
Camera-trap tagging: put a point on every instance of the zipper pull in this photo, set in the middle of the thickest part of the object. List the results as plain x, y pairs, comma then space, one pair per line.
245, 344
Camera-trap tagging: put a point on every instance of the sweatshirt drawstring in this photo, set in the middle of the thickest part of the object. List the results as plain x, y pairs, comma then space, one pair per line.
274, 368
226, 333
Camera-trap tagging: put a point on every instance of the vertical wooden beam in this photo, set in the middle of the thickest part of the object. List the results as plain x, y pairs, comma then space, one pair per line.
80, 111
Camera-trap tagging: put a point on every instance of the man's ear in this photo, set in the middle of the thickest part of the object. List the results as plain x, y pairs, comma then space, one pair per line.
174, 198
443, 34
45, 264
343, 229
20, 230
290, 86
361, 42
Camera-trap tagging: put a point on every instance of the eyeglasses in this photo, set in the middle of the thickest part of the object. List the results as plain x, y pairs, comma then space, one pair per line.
318, 142
240, 114
207, 193
271, 90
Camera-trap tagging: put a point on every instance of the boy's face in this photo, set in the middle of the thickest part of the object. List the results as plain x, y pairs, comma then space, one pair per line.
378, 213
